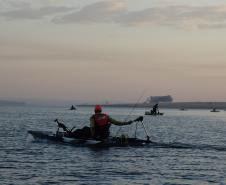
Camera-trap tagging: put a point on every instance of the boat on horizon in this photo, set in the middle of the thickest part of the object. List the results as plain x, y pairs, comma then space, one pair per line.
72, 107
214, 110
183, 109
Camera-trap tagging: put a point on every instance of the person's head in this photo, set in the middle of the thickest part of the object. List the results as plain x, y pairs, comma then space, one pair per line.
98, 109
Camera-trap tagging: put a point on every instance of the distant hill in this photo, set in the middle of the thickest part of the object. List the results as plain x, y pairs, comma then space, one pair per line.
11, 103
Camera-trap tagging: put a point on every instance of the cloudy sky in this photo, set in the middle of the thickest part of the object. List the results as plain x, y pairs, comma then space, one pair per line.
93, 51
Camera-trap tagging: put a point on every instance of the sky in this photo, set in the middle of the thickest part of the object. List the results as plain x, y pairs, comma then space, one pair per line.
112, 50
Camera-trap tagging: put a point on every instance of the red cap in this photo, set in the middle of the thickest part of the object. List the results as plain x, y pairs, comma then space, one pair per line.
98, 108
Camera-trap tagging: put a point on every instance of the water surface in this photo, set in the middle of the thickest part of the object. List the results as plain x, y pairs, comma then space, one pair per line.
190, 149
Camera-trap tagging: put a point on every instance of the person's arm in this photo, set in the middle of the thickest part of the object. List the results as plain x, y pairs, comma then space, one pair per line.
92, 126
119, 123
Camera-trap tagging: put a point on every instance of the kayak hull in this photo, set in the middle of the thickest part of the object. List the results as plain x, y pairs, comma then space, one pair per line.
65, 139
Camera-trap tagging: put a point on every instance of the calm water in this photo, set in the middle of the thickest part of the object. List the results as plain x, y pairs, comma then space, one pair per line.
191, 149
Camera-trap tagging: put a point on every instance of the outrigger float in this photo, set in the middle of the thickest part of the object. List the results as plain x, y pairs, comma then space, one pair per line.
67, 137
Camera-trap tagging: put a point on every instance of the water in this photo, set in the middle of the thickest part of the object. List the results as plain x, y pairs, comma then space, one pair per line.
190, 149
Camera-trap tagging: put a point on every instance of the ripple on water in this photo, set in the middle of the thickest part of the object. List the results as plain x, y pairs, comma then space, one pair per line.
190, 149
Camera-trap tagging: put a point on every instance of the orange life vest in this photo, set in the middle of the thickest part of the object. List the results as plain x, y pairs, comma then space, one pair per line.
102, 125
101, 120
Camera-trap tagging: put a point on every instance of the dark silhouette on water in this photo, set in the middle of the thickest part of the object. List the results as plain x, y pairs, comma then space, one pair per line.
154, 111
214, 110
183, 109
72, 108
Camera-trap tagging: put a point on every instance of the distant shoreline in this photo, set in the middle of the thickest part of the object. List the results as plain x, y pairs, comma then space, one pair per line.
11, 103
173, 105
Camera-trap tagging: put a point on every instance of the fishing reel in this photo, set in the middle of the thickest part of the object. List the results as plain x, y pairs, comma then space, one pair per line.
123, 139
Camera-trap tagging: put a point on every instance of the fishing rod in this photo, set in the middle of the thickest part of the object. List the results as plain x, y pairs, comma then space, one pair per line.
135, 105
133, 108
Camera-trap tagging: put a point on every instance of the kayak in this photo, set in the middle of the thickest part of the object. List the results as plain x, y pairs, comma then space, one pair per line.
82, 137
214, 110
153, 114
64, 138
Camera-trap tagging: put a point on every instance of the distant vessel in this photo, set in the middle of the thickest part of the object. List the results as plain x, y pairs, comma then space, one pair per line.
183, 109
154, 111
214, 110
72, 107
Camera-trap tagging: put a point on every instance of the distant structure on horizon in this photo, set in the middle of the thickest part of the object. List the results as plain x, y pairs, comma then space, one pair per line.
158, 99
11, 103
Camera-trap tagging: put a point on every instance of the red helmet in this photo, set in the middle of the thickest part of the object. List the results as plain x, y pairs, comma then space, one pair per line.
98, 108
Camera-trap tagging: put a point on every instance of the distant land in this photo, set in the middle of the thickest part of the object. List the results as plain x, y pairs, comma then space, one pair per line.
174, 105
11, 103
